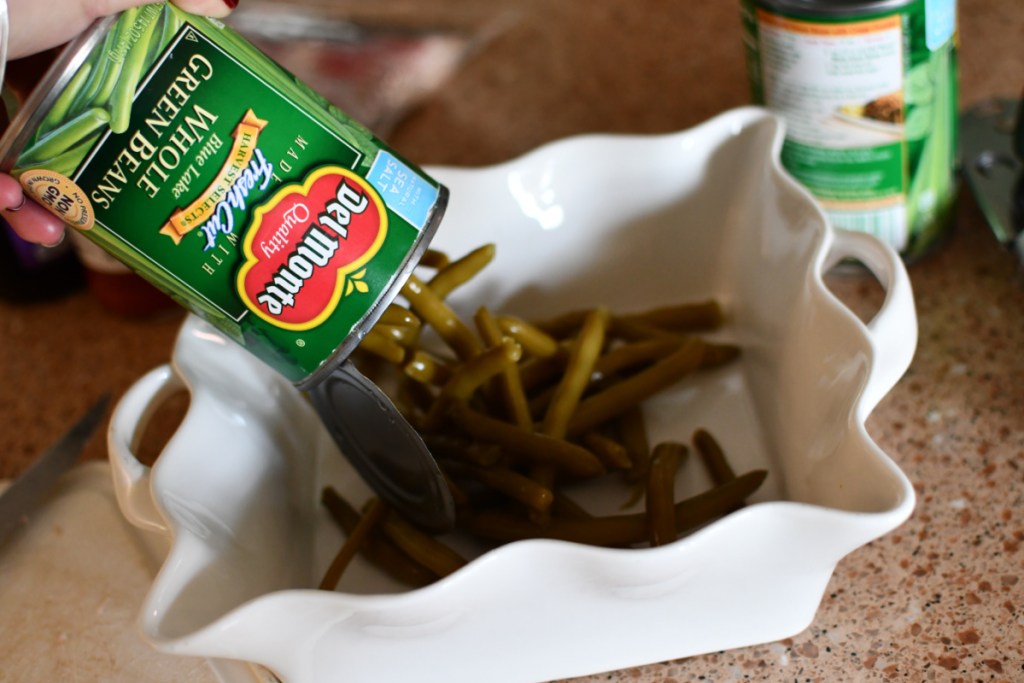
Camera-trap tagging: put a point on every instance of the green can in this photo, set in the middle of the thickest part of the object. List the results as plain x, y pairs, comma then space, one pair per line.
868, 92
185, 152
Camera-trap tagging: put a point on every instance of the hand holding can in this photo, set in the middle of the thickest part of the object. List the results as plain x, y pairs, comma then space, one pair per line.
185, 152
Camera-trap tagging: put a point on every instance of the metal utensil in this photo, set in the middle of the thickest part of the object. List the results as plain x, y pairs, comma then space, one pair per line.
28, 490
993, 161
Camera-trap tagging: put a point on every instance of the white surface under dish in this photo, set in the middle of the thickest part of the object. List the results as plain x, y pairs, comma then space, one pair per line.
70, 584
631, 222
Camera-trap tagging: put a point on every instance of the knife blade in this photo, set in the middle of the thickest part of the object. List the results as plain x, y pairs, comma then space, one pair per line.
992, 146
28, 490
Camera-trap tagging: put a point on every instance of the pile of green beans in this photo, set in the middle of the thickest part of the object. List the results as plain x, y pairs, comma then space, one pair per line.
515, 410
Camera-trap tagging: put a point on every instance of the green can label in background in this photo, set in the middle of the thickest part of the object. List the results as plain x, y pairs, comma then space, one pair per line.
201, 164
869, 100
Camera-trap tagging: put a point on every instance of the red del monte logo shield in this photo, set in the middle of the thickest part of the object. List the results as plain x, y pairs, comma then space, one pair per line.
303, 244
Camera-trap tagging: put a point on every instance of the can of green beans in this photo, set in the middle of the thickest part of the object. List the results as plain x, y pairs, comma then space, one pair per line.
181, 149
868, 91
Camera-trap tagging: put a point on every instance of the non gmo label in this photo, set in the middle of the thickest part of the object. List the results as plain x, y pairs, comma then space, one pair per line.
61, 196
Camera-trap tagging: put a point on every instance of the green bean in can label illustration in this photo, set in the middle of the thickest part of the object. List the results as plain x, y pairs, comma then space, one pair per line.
185, 152
868, 92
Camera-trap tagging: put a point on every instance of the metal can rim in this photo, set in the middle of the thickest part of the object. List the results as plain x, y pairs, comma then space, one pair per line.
50, 86
836, 9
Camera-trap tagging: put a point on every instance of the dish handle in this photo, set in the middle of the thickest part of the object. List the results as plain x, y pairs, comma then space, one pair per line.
127, 425
893, 330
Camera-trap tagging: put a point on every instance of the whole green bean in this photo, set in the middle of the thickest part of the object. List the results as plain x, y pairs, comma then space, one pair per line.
615, 530
609, 451
87, 96
424, 549
564, 506
65, 137
171, 21
120, 40
525, 445
713, 457
353, 544
538, 372
508, 482
432, 258
415, 397
398, 315
379, 550
659, 503
445, 446
436, 313
400, 334
175, 20
156, 43
461, 271
632, 354
426, 369
632, 428
124, 93
582, 356
470, 376
537, 342
508, 385
62, 105
688, 317
633, 329
621, 327
719, 354
67, 162
621, 396
383, 346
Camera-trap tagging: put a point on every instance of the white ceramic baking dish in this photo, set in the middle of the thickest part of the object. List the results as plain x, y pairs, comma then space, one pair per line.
628, 221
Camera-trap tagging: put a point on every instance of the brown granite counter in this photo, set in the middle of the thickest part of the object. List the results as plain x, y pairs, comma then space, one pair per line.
940, 598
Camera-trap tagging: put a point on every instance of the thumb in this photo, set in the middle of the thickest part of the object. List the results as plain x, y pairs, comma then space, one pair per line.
206, 8
34, 30
29, 220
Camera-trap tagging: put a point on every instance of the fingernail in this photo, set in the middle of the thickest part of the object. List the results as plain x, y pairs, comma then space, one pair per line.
232, 4
15, 209
60, 240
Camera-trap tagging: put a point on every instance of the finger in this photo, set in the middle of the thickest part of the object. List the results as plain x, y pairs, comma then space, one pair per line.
11, 195
34, 30
29, 220
206, 8
33, 223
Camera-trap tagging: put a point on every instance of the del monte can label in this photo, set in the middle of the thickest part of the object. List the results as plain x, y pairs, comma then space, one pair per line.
312, 240
189, 155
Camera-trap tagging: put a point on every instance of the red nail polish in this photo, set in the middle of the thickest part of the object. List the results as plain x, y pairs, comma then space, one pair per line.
232, 4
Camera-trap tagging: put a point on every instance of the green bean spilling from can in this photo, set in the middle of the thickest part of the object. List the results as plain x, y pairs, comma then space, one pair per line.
517, 411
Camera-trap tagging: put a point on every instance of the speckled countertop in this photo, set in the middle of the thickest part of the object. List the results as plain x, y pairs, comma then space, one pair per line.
942, 597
